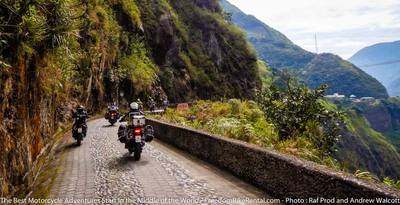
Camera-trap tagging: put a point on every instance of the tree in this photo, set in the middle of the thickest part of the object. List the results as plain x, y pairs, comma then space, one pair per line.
301, 112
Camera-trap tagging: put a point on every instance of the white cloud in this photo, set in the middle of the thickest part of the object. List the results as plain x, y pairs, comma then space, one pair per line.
332, 20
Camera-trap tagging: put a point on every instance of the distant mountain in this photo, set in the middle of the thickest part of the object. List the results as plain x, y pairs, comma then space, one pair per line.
280, 53
272, 46
394, 87
342, 76
382, 61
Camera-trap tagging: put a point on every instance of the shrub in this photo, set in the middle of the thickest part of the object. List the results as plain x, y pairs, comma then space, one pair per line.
298, 112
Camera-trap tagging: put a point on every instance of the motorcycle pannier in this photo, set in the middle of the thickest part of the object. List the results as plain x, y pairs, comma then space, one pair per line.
149, 133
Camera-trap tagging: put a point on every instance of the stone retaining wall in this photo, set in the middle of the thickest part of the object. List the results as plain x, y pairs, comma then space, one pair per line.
280, 175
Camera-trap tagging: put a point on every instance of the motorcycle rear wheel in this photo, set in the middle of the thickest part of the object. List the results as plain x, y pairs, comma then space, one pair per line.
136, 155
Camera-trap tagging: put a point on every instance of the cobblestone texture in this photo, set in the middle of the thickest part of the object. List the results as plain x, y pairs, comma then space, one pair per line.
102, 169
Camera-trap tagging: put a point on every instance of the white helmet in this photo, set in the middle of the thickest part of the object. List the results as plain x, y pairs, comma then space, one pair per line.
134, 106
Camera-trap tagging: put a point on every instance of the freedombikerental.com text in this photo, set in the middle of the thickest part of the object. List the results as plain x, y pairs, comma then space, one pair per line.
199, 200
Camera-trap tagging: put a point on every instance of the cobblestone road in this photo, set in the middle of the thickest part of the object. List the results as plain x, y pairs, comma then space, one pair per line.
101, 171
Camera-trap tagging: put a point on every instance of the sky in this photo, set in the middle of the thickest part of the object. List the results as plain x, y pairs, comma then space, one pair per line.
342, 26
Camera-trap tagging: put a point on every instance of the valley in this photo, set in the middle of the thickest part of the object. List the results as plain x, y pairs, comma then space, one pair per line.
205, 65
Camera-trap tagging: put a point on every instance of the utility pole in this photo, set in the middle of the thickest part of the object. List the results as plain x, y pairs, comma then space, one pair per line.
316, 44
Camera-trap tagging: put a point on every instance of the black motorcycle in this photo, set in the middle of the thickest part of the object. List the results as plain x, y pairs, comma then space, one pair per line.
79, 132
112, 116
135, 134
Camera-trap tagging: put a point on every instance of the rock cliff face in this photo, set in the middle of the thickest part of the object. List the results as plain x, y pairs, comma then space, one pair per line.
371, 140
199, 49
58, 53
362, 148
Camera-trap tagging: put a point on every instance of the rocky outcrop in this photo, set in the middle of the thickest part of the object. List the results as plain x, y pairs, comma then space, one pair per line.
97, 52
203, 55
379, 118
28, 118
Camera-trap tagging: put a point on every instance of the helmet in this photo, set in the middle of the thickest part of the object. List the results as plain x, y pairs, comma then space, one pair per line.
134, 106
80, 108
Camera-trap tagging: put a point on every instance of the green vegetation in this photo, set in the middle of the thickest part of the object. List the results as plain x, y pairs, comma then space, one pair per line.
265, 74
367, 142
387, 180
244, 120
138, 67
341, 76
313, 69
199, 54
300, 112
358, 148
56, 54
390, 182
235, 119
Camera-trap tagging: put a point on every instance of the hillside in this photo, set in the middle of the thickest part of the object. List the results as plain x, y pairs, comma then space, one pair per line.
280, 53
363, 148
382, 62
346, 78
58, 53
393, 87
371, 141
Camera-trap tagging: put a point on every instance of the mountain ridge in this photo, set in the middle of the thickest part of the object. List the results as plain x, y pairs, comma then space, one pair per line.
280, 53
361, 147
382, 61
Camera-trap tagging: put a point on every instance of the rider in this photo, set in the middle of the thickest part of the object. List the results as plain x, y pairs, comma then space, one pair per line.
152, 104
80, 117
133, 110
165, 103
113, 107
140, 104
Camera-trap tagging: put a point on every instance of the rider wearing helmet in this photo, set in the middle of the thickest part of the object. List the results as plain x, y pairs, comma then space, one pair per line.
80, 117
112, 107
134, 109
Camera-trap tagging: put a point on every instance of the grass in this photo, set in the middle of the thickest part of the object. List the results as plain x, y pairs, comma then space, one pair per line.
49, 168
243, 120
50, 165
46, 179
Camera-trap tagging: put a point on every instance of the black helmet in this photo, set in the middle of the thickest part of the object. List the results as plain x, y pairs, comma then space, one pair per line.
80, 108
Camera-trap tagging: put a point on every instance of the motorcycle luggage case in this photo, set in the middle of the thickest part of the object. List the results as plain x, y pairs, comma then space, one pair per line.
148, 133
138, 120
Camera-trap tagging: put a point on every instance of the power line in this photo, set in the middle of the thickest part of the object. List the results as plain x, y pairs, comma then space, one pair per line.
316, 44
383, 63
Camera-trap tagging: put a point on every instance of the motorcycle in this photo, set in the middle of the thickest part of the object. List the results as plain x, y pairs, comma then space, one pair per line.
79, 132
112, 116
135, 135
